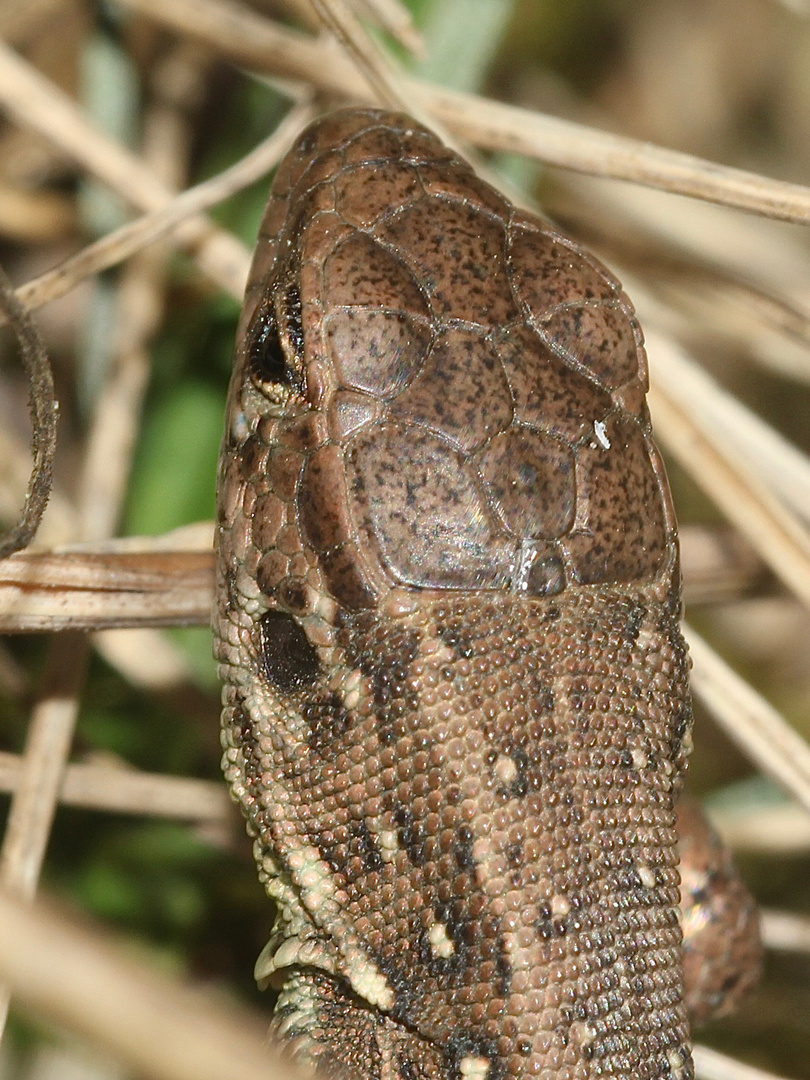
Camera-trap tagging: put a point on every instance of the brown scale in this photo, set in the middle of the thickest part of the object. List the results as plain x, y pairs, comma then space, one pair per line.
456, 705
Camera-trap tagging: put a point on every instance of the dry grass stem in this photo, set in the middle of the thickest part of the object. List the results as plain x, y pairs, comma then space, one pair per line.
142, 581
258, 43
35, 798
36, 793
393, 16
105, 469
152, 1025
109, 448
776, 534
339, 18
711, 1065
784, 931
717, 564
765, 830
29, 217
698, 236
749, 439
702, 270
750, 721
772, 331
36, 103
58, 525
127, 791
44, 411
495, 126
145, 658
95, 591
119, 245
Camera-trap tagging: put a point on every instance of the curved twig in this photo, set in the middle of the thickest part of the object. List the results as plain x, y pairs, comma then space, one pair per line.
44, 412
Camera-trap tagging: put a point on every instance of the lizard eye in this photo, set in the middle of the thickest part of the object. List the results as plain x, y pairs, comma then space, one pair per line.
276, 353
269, 365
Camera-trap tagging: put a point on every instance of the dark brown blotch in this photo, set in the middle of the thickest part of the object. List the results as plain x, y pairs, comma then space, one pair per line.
347, 578
295, 596
328, 720
405, 1068
253, 459
389, 670
363, 847
459, 641
547, 926
514, 855
411, 834
636, 614
289, 661
463, 848
683, 724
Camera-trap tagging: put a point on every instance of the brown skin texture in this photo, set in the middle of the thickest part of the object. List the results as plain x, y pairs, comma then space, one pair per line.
722, 946
456, 711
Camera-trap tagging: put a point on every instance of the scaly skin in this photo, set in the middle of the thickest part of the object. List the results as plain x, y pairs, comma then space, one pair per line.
456, 710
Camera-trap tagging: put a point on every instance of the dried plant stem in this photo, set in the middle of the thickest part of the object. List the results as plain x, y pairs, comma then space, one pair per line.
258, 43
711, 1065
743, 435
776, 534
36, 103
770, 829
138, 582
51, 730
155, 1027
49, 735
127, 791
338, 17
749, 721
173, 216
493, 125
106, 462
36, 795
394, 16
44, 412
93, 591
785, 931
139, 311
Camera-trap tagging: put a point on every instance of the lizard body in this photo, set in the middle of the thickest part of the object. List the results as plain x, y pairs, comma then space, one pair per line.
456, 710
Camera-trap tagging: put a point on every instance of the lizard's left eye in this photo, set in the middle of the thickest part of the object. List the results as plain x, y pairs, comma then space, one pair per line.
269, 365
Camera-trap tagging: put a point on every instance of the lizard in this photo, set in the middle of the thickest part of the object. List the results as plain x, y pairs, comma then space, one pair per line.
456, 711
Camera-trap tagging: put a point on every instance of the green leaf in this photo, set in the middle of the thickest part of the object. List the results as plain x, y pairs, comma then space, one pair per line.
174, 477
